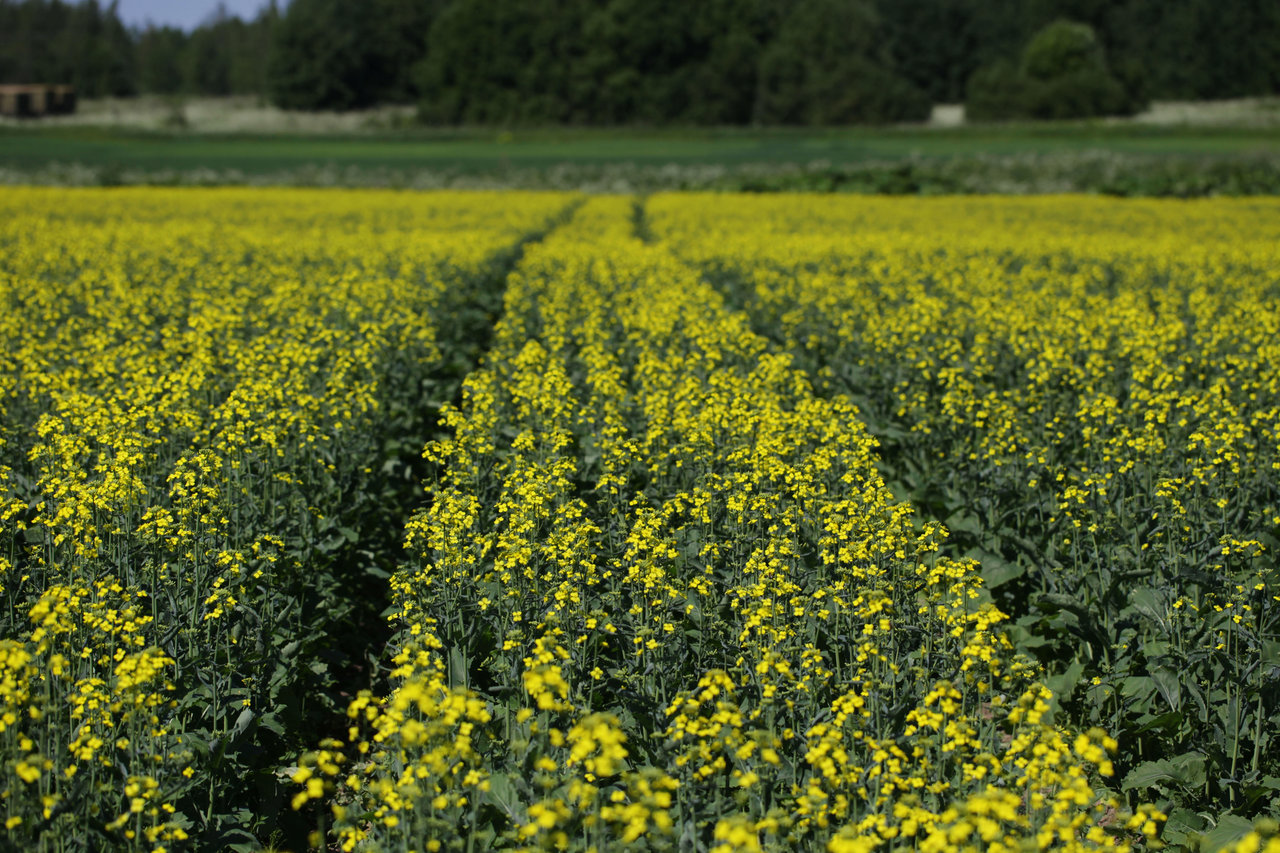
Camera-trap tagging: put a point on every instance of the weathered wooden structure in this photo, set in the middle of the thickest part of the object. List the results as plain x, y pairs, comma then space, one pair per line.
30, 100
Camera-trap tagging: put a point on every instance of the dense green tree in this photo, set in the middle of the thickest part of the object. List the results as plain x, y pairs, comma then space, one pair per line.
1200, 48
725, 83
318, 61
160, 59
658, 61
397, 36
1063, 74
664, 61
343, 54
651, 49
998, 92
223, 56
938, 44
477, 61
94, 51
27, 34
828, 65
1060, 49
209, 56
51, 42
251, 52
1187, 49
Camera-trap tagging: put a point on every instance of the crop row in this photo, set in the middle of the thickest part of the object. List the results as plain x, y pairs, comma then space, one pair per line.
663, 598
760, 523
205, 401
1087, 394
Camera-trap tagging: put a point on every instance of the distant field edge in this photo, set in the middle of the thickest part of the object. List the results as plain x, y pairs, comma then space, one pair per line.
1018, 158
1087, 171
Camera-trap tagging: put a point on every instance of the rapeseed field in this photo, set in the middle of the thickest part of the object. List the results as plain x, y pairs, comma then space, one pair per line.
463, 521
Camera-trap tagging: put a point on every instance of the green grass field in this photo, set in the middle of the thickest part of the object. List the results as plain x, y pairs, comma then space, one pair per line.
486, 150
1019, 157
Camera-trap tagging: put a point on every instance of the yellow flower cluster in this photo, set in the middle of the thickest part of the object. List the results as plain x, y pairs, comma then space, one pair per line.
1086, 392
720, 539
187, 381
695, 615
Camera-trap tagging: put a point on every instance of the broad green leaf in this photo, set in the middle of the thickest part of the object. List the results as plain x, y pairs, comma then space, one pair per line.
1181, 826
1137, 687
1169, 683
272, 723
1168, 722
503, 794
1149, 603
1064, 683
1147, 774
1054, 601
1189, 769
997, 572
457, 668
1230, 829
1185, 771
243, 722
964, 522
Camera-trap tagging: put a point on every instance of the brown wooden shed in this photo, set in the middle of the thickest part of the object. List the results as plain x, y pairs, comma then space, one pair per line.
30, 100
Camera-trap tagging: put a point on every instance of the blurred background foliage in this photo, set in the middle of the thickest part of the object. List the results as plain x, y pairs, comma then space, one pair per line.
650, 62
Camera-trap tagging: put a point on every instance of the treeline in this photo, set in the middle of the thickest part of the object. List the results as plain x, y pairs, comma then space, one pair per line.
224, 56
78, 43
86, 44
652, 61
668, 61
1182, 49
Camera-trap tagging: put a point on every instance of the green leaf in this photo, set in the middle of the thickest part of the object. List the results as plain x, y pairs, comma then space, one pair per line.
1024, 636
1055, 601
1184, 771
1189, 769
243, 722
1146, 775
198, 744
1137, 687
1169, 685
997, 572
272, 723
1064, 683
457, 668
964, 522
503, 794
248, 845
1168, 722
1149, 603
1181, 826
1230, 829
1271, 653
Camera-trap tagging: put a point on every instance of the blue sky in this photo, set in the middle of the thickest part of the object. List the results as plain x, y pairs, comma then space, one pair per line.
186, 14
